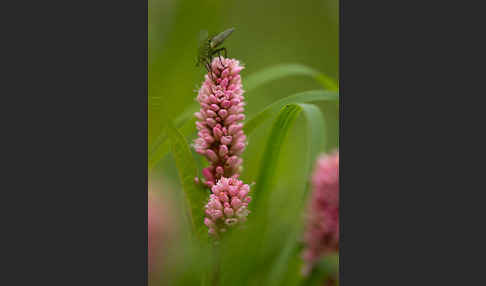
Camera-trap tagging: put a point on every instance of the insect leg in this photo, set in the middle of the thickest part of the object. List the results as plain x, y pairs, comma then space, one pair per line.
208, 68
225, 53
218, 51
210, 71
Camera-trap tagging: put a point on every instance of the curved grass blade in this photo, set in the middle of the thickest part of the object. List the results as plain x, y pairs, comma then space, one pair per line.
316, 144
302, 97
281, 266
195, 195
162, 148
185, 122
266, 178
316, 133
158, 153
284, 70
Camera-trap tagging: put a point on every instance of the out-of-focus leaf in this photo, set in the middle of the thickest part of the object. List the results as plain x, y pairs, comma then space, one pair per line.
162, 145
316, 143
195, 195
327, 267
302, 97
281, 266
284, 70
266, 178
158, 153
316, 133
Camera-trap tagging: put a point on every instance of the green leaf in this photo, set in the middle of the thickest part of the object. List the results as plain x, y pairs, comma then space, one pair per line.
158, 153
306, 96
266, 178
280, 71
316, 133
162, 145
316, 143
195, 194
253, 81
281, 266
327, 267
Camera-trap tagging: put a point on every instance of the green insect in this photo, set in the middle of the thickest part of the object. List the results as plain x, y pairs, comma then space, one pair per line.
210, 46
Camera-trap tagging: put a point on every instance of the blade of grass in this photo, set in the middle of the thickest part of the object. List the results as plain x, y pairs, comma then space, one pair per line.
287, 115
158, 153
281, 265
163, 148
284, 70
302, 97
253, 81
266, 178
195, 194
316, 144
316, 133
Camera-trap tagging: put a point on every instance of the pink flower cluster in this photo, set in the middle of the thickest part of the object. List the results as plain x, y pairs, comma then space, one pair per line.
322, 229
222, 141
221, 138
227, 206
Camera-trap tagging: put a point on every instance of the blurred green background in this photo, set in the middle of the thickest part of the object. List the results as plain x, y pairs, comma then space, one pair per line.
268, 33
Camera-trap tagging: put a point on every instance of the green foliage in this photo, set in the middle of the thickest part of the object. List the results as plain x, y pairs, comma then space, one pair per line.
285, 70
281, 126
306, 96
195, 195
266, 178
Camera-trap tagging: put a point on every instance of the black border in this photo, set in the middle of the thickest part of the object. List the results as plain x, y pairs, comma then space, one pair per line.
77, 142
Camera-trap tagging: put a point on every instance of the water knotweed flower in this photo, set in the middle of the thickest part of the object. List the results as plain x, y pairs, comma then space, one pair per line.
220, 132
227, 206
322, 228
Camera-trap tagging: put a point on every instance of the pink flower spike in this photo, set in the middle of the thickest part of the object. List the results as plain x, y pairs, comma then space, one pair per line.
219, 119
322, 228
